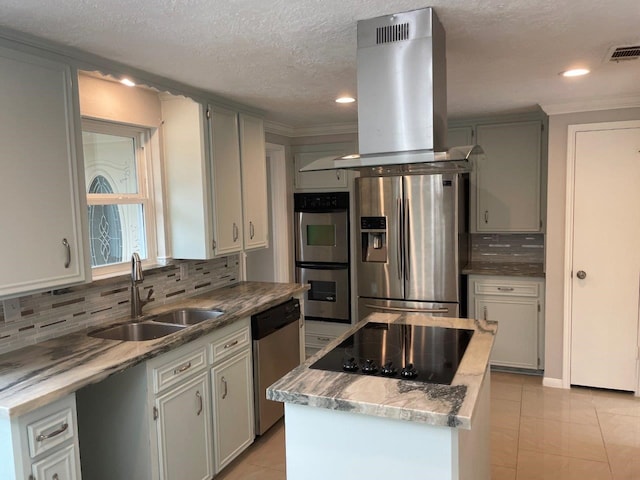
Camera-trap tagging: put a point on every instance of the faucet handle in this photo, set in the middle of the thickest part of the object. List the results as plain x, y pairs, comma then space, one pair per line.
149, 295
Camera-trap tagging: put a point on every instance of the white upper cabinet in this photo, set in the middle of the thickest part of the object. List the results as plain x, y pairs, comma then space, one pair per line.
42, 196
227, 180
507, 180
187, 178
328, 180
215, 168
254, 182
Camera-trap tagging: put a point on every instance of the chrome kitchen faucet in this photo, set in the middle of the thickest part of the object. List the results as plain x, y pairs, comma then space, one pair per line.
137, 277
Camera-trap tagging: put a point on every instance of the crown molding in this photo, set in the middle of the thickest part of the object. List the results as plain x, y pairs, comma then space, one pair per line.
589, 105
317, 130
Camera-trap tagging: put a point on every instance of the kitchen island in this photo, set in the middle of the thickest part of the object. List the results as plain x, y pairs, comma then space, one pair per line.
339, 424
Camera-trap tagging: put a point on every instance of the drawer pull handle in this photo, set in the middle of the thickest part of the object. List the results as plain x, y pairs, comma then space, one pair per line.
226, 390
486, 313
46, 436
181, 369
232, 344
505, 289
200, 404
324, 339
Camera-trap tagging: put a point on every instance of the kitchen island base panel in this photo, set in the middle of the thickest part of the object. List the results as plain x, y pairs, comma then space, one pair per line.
323, 443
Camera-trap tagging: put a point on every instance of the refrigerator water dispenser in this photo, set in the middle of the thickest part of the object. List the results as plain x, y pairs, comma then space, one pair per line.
374, 239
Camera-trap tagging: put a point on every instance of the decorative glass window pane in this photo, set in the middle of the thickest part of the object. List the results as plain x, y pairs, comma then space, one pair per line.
110, 156
115, 232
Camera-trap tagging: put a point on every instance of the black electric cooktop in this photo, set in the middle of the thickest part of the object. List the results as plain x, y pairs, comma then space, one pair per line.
412, 352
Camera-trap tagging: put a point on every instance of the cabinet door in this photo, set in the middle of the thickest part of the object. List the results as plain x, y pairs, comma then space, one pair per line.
516, 344
187, 178
184, 431
508, 178
254, 182
42, 196
232, 408
60, 465
227, 180
326, 179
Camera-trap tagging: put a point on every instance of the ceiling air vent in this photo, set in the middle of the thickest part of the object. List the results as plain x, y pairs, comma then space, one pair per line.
618, 54
392, 33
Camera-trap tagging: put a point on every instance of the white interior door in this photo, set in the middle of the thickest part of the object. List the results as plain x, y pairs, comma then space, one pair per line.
606, 247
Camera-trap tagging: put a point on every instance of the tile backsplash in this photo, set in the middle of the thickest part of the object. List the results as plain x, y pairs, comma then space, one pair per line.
52, 314
507, 248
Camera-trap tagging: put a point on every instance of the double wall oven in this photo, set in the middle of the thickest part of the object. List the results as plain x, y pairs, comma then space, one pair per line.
322, 254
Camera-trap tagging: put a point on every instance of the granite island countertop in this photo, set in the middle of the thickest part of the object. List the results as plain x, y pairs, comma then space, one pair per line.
40, 374
509, 269
444, 405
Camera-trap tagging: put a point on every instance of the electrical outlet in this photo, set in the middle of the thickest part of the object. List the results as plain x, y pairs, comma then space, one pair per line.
11, 309
184, 271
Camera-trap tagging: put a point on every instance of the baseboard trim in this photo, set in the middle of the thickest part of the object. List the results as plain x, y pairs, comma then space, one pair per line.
552, 382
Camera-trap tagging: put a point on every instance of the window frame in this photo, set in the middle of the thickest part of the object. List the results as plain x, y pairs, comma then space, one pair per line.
144, 172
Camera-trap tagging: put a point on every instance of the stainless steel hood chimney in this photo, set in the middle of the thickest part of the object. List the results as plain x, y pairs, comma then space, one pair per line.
402, 95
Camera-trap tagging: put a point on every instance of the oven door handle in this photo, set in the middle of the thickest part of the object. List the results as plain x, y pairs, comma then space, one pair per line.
406, 309
322, 267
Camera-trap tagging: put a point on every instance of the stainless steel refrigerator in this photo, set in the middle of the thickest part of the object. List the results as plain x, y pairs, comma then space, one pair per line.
412, 243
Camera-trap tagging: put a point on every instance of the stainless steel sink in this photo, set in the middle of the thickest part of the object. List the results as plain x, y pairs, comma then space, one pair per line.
187, 316
136, 332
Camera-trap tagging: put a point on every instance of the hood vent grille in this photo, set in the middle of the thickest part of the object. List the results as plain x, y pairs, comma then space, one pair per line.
392, 33
624, 53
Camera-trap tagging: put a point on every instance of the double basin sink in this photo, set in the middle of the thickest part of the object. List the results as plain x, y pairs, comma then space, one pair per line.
157, 326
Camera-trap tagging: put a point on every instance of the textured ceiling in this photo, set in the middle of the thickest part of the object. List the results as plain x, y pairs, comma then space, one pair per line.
291, 58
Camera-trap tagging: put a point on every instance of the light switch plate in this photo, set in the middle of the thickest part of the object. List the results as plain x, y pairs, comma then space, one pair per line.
11, 309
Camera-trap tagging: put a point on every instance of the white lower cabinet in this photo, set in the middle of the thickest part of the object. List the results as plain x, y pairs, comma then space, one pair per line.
517, 306
183, 431
42, 444
162, 420
57, 466
233, 427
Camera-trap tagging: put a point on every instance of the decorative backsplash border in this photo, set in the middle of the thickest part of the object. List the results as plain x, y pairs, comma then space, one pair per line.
507, 248
52, 314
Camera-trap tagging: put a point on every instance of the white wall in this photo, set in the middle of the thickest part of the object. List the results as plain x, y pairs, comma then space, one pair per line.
116, 102
555, 241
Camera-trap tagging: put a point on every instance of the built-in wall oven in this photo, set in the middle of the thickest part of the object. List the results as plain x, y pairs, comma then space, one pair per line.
322, 254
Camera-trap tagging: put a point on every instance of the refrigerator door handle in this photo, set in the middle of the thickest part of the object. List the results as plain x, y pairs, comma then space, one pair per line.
401, 309
407, 239
400, 238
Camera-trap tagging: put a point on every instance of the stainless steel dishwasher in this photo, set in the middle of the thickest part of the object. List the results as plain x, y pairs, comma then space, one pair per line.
276, 351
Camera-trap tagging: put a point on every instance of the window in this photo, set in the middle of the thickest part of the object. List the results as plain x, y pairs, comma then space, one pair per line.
121, 219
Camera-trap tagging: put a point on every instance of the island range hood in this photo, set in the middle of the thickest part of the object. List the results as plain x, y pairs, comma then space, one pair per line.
402, 97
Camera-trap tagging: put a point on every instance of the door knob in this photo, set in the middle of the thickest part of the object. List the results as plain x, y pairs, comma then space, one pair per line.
581, 274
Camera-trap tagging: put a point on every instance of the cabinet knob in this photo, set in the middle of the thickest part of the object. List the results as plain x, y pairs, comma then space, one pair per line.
581, 274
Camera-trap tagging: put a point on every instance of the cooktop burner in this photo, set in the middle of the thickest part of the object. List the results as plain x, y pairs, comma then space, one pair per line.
414, 352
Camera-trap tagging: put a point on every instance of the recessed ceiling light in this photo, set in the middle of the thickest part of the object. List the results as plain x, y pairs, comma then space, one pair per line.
345, 100
576, 72
127, 82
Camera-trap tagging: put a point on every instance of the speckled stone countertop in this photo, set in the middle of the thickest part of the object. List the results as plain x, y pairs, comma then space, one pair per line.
445, 405
40, 374
506, 268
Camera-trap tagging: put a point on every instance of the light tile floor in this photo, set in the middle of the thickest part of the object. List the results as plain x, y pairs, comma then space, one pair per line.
536, 433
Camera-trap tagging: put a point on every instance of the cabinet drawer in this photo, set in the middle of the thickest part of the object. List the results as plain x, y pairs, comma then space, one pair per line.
50, 431
227, 345
318, 340
58, 466
507, 289
175, 370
